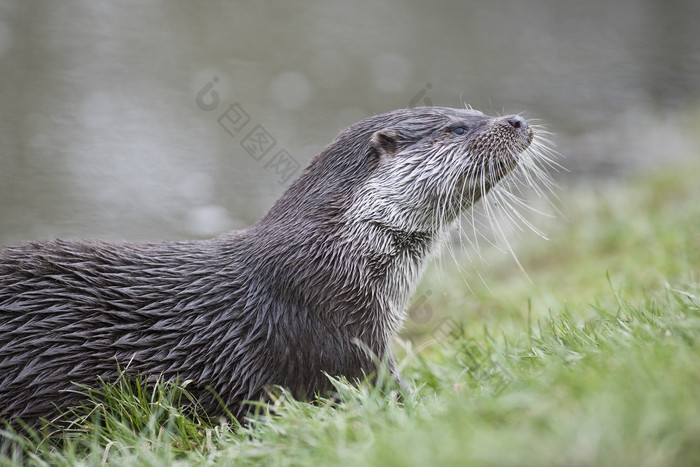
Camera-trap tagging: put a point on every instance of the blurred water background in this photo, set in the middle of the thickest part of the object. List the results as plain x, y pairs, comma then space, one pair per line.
158, 120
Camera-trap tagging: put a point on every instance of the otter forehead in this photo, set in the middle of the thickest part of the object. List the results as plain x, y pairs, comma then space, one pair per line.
444, 111
433, 117
414, 124
438, 113
462, 113
410, 125
469, 117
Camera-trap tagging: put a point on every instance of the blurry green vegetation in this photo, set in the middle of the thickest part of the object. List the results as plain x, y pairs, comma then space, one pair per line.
592, 360
643, 233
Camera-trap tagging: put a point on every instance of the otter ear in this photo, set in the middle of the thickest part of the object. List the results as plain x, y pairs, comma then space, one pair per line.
384, 141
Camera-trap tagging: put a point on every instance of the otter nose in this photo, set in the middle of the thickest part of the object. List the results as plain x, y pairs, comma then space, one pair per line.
517, 122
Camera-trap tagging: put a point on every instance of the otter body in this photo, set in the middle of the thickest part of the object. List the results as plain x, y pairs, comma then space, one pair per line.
333, 262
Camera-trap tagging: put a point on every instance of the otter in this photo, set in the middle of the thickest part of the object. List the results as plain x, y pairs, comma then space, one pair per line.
318, 286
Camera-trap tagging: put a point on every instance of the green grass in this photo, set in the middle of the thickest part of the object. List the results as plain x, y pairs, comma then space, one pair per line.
592, 360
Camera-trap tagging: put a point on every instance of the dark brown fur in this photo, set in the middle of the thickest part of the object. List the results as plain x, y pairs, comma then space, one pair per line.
334, 261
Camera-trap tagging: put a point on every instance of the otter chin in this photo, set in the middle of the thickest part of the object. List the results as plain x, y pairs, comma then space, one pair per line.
318, 286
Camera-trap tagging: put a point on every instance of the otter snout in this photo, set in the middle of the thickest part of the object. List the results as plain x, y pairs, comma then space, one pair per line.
520, 125
517, 122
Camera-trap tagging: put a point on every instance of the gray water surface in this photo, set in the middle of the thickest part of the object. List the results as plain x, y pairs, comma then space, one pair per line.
103, 134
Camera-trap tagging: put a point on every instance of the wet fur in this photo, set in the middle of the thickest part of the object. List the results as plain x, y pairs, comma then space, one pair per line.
280, 303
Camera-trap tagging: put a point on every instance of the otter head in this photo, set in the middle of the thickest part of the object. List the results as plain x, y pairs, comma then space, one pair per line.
435, 162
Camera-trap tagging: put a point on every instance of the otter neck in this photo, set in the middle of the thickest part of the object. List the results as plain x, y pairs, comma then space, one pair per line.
355, 275
387, 264
397, 262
